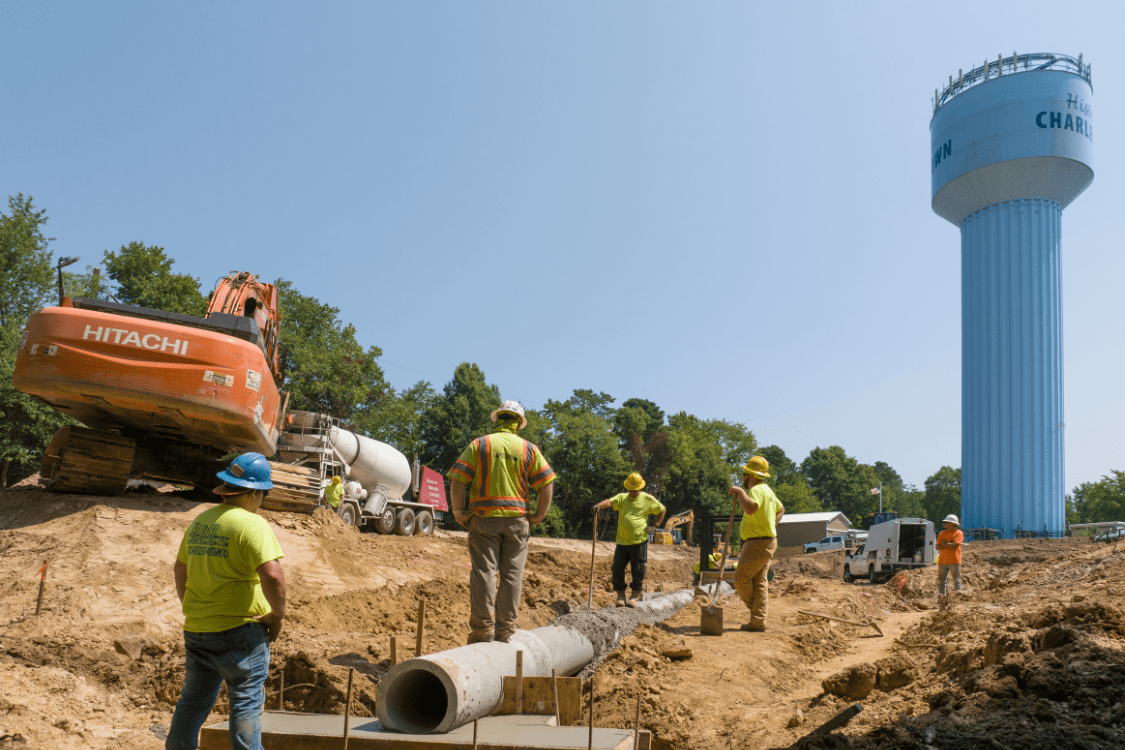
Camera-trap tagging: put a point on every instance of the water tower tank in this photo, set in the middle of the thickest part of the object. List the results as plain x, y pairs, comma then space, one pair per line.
1011, 145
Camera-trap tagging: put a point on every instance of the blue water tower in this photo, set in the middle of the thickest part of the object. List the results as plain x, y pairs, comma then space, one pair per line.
1011, 147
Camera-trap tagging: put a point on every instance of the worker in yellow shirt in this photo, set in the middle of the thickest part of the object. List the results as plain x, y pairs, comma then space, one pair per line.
633, 509
229, 579
762, 512
713, 561
333, 492
499, 471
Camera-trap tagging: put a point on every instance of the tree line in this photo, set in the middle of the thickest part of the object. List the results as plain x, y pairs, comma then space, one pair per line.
592, 441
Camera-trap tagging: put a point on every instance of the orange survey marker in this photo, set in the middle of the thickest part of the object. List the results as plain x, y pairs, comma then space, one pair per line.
42, 584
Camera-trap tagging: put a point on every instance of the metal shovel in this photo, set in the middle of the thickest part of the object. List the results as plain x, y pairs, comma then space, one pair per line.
711, 616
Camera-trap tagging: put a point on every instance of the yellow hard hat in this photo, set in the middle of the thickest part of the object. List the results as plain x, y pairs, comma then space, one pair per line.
634, 482
336, 479
757, 466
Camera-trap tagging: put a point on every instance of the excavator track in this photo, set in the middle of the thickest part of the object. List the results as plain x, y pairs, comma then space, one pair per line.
295, 488
84, 461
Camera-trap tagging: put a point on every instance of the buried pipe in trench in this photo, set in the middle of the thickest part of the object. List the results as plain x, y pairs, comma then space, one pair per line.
439, 692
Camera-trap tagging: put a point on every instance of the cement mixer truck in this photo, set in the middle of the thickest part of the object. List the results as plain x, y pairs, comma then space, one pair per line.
376, 477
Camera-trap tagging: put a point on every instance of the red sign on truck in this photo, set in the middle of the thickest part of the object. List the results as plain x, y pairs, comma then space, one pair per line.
431, 490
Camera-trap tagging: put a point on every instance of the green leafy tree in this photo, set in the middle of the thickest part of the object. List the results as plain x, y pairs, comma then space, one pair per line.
707, 456
327, 370
639, 425
397, 418
458, 415
26, 279
582, 448
90, 284
943, 494
841, 483
1101, 501
782, 468
143, 276
798, 497
26, 284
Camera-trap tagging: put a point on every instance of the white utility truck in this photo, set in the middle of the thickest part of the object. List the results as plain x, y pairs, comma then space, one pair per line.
900, 544
375, 475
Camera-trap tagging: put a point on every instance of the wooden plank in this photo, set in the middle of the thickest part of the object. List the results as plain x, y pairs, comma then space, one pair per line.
538, 699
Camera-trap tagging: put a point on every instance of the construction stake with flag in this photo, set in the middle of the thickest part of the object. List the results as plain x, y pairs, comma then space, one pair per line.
878, 491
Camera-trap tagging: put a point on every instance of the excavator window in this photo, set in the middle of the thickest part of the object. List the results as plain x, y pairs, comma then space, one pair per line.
249, 308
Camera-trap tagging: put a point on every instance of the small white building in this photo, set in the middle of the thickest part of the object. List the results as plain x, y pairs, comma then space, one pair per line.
797, 529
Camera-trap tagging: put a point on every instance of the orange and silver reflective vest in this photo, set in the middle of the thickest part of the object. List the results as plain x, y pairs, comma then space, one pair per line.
501, 470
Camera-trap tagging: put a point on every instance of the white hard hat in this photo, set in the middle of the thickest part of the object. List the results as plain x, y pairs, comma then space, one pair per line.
512, 407
951, 519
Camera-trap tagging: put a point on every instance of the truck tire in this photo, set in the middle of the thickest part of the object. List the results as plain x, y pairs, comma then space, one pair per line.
424, 523
385, 522
810, 549
404, 522
871, 575
349, 513
848, 577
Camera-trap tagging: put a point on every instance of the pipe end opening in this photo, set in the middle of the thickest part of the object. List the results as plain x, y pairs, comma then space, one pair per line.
417, 703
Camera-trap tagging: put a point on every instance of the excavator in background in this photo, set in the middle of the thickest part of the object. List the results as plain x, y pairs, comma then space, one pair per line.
672, 533
162, 395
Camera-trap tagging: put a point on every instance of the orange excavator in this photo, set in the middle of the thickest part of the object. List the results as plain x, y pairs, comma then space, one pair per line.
162, 395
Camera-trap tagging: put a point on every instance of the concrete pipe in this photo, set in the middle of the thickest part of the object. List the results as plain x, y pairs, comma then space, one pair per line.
440, 692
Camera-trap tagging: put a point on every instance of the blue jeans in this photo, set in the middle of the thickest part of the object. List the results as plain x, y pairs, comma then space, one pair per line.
943, 572
241, 657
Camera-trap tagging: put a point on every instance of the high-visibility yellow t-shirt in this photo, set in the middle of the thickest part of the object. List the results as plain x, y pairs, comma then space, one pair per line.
762, 522
333, 493
223, 548
632, 516
501, 469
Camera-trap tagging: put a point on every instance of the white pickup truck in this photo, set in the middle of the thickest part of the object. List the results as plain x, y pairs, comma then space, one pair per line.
838, 541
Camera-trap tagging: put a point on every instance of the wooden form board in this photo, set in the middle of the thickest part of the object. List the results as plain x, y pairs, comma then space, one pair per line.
538, 698
709, 576
289, 731
295, 488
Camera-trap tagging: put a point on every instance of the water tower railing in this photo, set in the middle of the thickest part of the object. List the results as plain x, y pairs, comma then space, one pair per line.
1003, 66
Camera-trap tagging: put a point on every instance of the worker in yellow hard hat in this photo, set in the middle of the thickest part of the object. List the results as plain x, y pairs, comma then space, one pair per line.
713, 561
762, 512
633, 509
333, 492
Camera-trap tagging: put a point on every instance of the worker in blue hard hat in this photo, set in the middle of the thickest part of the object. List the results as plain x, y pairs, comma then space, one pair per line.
232, 587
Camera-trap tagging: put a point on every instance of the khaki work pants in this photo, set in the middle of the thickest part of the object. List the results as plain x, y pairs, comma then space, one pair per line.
498, 551
750, 579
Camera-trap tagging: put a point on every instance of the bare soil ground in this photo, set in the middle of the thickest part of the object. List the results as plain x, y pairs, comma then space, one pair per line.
1031, 654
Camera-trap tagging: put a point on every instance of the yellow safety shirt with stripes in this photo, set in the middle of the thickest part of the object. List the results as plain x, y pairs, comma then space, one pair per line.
501, 469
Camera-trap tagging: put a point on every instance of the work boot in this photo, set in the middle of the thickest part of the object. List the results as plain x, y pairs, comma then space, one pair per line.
754, 627
634, 597
621, 599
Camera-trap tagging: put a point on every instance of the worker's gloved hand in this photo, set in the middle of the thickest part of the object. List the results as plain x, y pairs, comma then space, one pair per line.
273, 624
595, 510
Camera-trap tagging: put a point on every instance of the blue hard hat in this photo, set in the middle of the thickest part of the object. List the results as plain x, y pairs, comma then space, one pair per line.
249, 471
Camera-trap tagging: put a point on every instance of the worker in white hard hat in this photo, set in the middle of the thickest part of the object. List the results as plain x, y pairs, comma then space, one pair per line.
633, 509
949, 554
499, 471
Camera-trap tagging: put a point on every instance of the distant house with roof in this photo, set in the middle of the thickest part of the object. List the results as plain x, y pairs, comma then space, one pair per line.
796, 529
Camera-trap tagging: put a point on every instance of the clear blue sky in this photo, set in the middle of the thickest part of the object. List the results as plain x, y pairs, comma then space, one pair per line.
722, 207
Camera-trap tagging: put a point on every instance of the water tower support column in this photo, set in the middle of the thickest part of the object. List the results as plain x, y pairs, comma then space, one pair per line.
1012, 367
